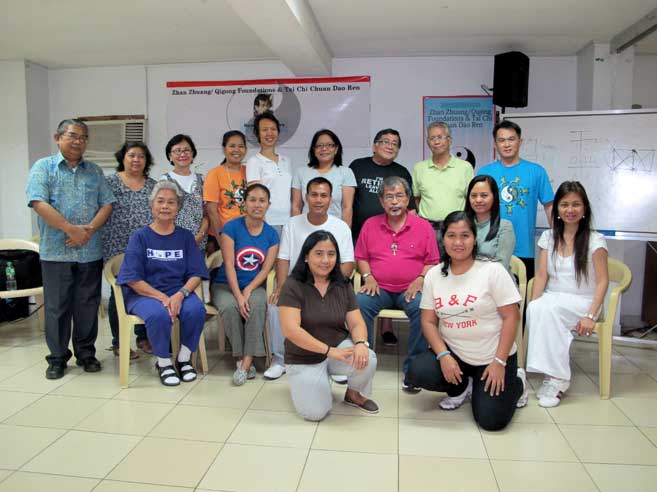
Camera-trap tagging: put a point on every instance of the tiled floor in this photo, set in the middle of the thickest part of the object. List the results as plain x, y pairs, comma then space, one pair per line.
84, 433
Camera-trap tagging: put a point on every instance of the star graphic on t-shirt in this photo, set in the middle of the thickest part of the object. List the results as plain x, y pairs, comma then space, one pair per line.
250, 260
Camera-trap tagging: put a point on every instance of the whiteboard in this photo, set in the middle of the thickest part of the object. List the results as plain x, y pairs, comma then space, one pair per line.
612, 153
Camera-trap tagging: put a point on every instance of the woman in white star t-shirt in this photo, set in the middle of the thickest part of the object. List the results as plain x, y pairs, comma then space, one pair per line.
469, 318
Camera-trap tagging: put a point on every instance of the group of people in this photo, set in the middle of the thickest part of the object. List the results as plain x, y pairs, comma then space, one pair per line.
435, 243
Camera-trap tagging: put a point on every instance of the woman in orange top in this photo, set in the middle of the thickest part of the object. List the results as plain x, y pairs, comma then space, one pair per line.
225, 184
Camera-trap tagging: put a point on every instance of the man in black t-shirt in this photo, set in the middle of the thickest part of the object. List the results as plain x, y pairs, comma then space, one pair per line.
370, 173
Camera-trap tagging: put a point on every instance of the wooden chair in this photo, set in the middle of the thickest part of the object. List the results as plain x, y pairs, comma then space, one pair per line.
127, 323
518, 269
620, 274
215, 260
36, 292
384, 313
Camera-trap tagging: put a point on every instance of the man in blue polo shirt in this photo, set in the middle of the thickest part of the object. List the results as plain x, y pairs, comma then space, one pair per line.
73, 201
522, 185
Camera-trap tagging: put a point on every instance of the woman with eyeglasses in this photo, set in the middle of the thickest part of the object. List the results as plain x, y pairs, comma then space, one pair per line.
181, 152
225, 184
271, 169
325, 160
495, 236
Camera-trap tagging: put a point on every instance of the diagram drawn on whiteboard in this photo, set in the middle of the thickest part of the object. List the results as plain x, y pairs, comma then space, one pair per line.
587, 150
633, 160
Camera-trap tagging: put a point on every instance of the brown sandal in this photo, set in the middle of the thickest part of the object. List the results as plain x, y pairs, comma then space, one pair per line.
145, 346
133, 355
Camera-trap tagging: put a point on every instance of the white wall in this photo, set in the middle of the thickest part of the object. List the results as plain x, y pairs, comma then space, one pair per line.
15, 221
96, 91
398, 85
644, 86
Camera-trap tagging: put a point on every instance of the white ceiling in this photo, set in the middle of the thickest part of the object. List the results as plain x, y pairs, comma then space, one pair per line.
77, 33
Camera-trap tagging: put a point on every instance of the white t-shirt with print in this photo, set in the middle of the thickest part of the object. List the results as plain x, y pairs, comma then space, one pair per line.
466, 306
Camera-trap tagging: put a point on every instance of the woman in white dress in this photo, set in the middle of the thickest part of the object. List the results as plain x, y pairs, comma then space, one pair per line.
569, 289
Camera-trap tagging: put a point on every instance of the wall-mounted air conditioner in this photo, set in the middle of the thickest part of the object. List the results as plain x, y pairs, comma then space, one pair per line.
108, 133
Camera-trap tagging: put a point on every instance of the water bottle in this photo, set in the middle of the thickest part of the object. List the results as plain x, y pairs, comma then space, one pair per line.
10, 274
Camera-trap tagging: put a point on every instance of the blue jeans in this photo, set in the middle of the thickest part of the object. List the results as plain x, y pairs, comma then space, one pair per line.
370, 307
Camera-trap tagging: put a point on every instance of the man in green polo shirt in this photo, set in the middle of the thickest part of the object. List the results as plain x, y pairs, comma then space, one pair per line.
440, 183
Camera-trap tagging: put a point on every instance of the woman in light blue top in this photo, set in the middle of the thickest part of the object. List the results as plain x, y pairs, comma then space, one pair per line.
325, 160
495, 236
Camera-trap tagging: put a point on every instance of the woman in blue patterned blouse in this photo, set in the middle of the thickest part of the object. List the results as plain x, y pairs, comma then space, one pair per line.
132, 187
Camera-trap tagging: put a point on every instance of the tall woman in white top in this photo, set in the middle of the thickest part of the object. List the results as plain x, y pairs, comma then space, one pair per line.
271, 169
569, 289
325, 160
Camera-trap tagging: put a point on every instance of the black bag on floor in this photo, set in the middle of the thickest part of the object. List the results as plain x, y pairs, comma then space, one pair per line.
14, 309
26, 265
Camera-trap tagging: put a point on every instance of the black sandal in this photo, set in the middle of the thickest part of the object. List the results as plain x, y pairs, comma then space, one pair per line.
170, 373
185, 368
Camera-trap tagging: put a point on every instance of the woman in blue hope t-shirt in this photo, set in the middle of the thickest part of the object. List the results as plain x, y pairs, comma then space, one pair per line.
161, 268
249, 246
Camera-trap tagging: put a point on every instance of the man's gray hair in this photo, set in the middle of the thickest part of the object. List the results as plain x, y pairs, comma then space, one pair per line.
440, 124
391, 182
64, 124
166, 185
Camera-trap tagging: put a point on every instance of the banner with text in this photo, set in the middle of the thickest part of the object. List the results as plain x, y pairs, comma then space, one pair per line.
471, 120
206, 110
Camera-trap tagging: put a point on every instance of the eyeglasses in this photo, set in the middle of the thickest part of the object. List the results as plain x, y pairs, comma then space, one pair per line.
439, 138
75, 136
324, 146
181, 151
392, 143
398, 196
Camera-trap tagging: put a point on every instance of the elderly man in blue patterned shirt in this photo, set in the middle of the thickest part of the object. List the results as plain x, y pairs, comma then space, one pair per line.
73, 201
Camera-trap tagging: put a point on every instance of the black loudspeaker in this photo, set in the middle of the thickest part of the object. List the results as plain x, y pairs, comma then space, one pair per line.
511, 80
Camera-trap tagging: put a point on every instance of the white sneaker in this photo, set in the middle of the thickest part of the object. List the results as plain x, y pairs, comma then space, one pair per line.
554, 390
543, 388
522, 401
453, 402
275, 371
339, 378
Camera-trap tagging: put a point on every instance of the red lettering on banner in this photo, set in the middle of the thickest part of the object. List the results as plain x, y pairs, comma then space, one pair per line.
469, 299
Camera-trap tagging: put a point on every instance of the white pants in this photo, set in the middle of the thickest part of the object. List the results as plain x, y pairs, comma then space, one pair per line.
311, 388
550, 319
275, 332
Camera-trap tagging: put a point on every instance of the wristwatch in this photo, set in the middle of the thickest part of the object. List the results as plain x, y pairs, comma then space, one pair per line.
591, 317
365, 275
364, 342
185, 292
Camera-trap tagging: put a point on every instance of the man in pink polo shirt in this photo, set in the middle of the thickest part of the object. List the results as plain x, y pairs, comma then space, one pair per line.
394, 251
